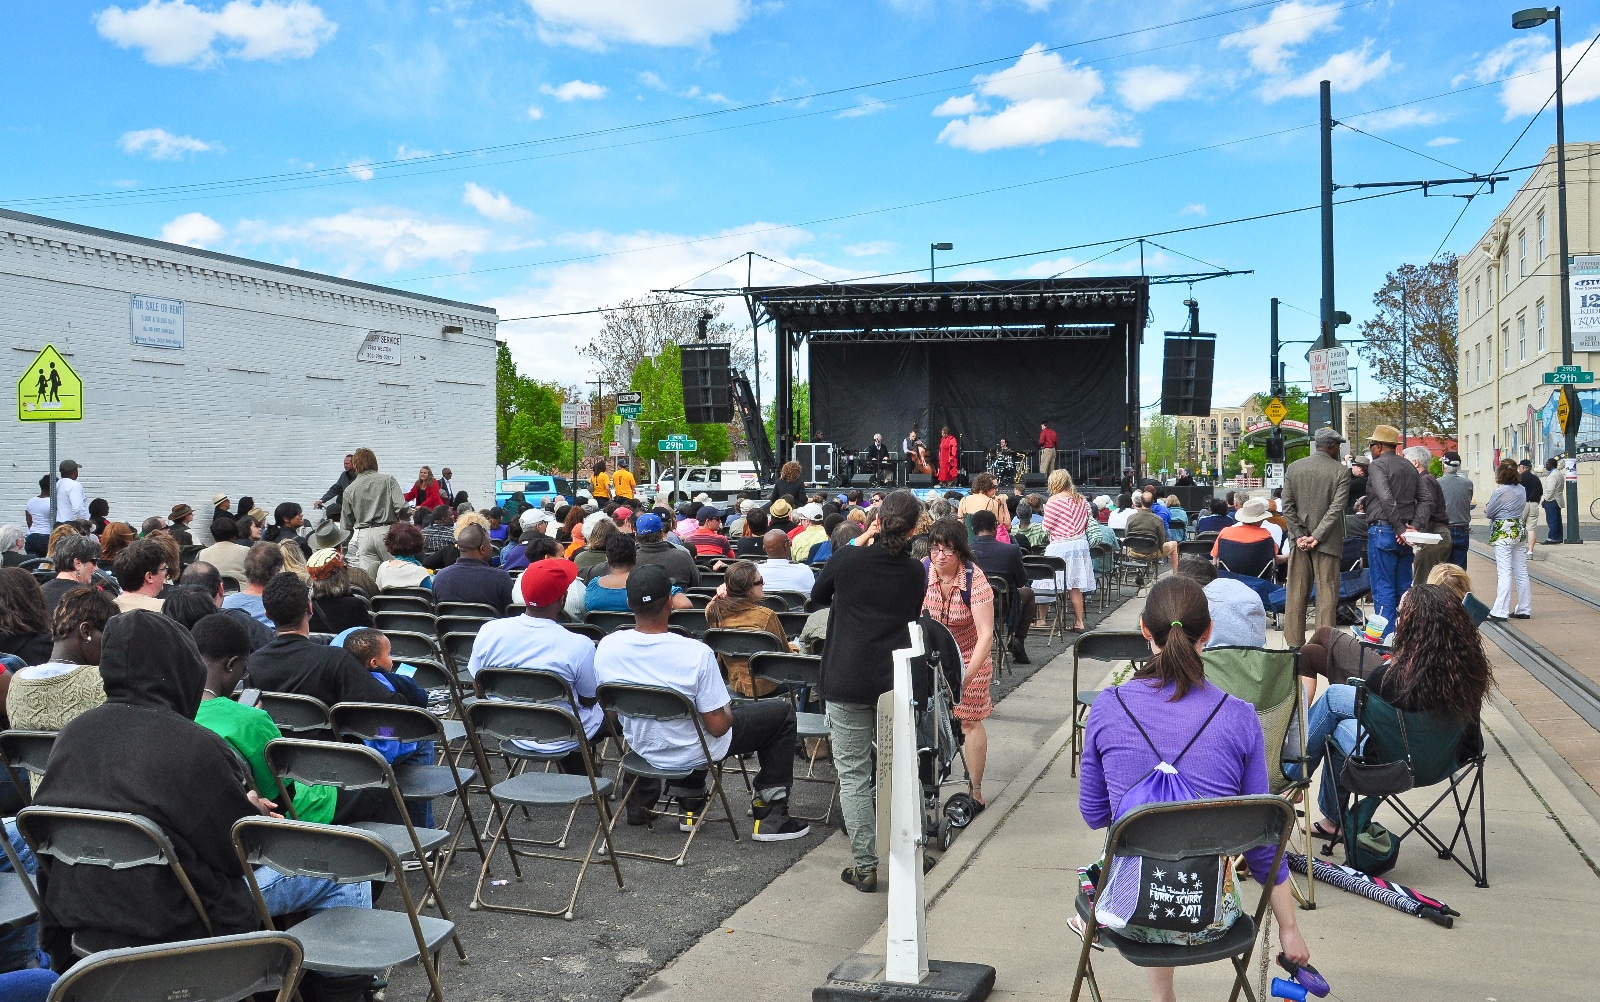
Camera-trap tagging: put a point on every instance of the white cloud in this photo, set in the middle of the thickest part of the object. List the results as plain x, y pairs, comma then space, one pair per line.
1270, 45
179, 33
592, 24
1193, 209
1443, 141
1531, 58
864, 106
870, 249
391, 237
1346, 71
652, 80
575, 90
652, 260
1395, 118
159, 144
404, 152
958, 106
534, 113
496, 205
361, 170
193, 229
1037, 5
1046, 99
1146, 86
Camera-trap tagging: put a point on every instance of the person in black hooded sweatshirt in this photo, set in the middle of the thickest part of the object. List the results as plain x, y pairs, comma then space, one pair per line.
142, 753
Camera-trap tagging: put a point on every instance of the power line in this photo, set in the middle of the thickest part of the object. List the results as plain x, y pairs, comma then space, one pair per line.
1425, 156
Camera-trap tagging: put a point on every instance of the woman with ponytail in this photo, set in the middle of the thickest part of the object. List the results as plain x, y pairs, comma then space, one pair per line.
1213, 740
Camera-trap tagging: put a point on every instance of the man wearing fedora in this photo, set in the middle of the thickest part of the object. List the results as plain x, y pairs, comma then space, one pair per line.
1314, 493
1396, 502
178, 524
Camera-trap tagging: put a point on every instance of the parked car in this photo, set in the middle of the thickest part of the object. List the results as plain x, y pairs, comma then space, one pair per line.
536, 488
719, 482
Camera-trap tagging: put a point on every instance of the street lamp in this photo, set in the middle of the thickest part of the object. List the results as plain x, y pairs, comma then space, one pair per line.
1532, 18
931, 249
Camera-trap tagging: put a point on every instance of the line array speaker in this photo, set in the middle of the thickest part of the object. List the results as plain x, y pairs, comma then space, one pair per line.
706, 397
1186, 366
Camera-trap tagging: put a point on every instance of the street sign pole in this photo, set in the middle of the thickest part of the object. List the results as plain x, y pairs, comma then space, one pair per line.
52, 476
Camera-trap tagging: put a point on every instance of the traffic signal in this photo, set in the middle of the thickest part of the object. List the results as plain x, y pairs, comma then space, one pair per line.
1275, 449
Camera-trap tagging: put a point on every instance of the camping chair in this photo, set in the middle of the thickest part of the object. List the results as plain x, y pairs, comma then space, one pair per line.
424, 623
24, 754
357, 767
547, 722
1099, 645
111, 839
692, 621
801, 673
344, 941
1225, 825
1053, 569
648, 702
222, 969
389, 601
610, 622
297, 716
1438, 751
1270, 681
418, 781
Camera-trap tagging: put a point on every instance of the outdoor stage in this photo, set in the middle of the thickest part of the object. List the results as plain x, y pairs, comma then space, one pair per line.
988, 359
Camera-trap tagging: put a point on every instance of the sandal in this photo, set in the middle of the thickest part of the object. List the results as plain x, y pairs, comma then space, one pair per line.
1323, 834
1076, 925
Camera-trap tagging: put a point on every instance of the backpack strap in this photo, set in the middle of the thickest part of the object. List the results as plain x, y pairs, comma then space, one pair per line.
1117, 691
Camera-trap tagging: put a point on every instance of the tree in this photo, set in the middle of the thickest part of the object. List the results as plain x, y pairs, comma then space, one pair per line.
660, 380
1158, 443
1254, 450
527, 418
801, 394
637, 329
1427, 315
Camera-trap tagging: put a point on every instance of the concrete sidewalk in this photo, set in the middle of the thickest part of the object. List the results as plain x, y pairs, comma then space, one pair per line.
1002, 895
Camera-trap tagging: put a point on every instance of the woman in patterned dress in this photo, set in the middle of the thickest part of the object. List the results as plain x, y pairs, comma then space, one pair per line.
959, 596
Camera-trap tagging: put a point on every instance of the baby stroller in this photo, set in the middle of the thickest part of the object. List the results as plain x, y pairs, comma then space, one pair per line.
935, 682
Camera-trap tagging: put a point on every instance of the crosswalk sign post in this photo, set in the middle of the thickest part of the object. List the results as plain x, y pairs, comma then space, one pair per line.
49, 390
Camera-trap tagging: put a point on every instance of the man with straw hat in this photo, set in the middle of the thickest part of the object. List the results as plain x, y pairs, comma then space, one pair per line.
1396, 503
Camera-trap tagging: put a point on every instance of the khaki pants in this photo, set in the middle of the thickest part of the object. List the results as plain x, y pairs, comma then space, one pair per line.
1047, 460
1303, 569
366, 548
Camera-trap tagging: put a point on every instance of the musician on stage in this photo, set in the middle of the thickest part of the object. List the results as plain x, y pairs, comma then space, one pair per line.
1047, 448
877, 457
917, 454
949, 456
911, 441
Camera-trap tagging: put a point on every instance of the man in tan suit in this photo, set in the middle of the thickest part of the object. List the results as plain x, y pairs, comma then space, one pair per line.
1314, 493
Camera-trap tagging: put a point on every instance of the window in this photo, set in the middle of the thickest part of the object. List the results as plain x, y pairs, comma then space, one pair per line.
1505, 272
1522, 337
1541, 235
1505, 346
1522, 254
1477, 366
1539, 343
1488, 371
1477, 296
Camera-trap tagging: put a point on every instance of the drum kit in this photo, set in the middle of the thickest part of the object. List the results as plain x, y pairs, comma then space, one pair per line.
1008, 466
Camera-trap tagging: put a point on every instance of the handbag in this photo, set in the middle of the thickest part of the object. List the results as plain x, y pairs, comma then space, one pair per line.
1378, 779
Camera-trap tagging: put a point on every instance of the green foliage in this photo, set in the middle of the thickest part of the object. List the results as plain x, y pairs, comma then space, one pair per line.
1162, 444
660, 379
527, 418
802, 415
1254, 450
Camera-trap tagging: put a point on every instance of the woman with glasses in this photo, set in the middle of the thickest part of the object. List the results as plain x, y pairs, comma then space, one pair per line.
958, 595
738, 606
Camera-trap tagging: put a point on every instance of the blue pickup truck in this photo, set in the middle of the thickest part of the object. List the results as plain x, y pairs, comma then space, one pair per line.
536, 488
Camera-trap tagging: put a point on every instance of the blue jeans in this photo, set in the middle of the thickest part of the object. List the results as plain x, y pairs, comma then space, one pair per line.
285, 895
1552, 519
19, 948
1389, 569
1459, 538
1331, 716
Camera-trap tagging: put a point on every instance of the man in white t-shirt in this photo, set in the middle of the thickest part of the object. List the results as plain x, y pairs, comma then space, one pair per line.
1118, 519
70, 503
778, 573
650, 655
537, 640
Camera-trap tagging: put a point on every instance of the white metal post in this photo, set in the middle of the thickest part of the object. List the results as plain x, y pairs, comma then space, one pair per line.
907, 959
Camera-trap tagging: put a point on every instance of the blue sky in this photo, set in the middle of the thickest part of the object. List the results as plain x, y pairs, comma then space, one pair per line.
622, 154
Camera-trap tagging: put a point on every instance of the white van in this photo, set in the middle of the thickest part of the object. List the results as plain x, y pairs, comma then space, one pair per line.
721, 482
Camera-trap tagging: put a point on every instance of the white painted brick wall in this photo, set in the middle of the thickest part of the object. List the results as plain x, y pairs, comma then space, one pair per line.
266, 397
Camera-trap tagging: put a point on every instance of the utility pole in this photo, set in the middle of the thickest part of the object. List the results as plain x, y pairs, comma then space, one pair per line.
1566, 285
1330, 321
600, 422
1405, 362
755, 328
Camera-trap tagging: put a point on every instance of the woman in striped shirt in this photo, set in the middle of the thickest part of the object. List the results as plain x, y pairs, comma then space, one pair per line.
1066, 519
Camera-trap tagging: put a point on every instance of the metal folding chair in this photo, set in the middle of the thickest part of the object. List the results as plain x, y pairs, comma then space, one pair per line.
794, 623
648, 702
221, 969
424, 623
741, 644
692, 621
1005, 599
800, 673
1140, 565
1174, 831
610, 622
344, 941
391, 602
475, 610
546, 722
794, 600
1099, 645
589, 630
297, 716
414, 591
19, 899
24, 754
1055, 570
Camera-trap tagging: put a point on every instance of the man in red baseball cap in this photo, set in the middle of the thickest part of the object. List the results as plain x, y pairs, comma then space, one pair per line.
536, 639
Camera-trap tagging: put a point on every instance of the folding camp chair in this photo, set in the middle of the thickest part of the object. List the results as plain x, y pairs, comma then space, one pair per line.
345, 941
297, 716
424, 623
418, 781
1438, 750
610, 622
24, 754
648, 702
801, 673
221, 969
1269, 680
1173, 831
117, 841
1099, 645
391, 602
543, 722
693, 621
1053, 569
357, 767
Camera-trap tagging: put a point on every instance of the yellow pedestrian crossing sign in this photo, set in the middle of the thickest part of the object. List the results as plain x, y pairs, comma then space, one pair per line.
1275, 411
49, 390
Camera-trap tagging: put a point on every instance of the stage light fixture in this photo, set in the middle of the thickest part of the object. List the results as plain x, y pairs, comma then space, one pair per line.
813, 310
917, 307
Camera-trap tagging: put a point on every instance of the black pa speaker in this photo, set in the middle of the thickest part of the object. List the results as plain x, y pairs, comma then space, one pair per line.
706, 395
861, 480
1033, 483
1186, 366
919, 481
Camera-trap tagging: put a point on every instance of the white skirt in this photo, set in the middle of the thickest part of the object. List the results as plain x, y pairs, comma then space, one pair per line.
1079, 574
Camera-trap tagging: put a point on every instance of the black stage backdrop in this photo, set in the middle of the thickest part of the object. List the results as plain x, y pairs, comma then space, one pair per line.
982, 390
